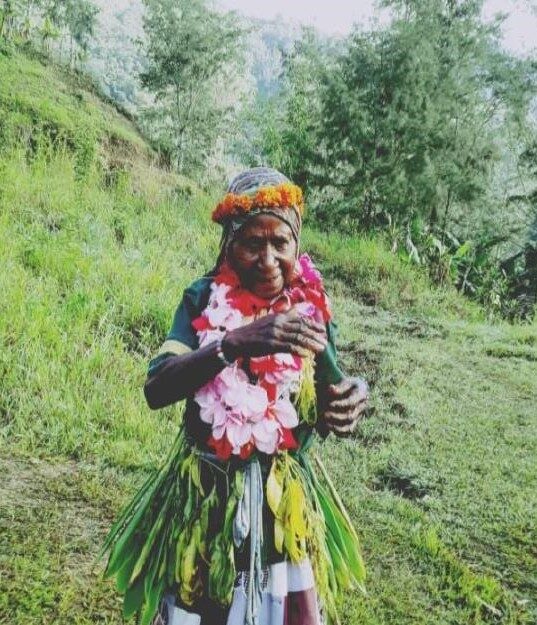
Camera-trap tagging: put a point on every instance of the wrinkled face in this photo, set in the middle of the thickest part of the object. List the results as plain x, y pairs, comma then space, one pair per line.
263, 254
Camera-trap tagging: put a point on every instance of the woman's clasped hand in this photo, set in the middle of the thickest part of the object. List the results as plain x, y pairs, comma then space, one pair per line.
347, 402
274, 333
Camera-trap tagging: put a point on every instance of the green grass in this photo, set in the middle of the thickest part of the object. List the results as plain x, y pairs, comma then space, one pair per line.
440, 479
378, 277
39, 101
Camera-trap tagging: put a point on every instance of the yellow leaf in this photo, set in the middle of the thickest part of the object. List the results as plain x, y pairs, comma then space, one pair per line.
274, 490
278, 535
296, 514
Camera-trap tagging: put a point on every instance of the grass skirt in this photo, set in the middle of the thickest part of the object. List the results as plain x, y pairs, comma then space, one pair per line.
178, 532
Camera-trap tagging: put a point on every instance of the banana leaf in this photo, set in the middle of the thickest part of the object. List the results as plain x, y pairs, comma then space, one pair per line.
143, 496
134, 598
126, 514
123, 576
152, 602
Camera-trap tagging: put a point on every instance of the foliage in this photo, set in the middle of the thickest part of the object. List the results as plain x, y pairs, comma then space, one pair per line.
282, 129
190, 49
93, 268
39, 103
47, 21
409, 130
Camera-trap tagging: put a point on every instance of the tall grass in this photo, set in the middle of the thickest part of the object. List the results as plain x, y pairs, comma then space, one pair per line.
378, 277
91, 277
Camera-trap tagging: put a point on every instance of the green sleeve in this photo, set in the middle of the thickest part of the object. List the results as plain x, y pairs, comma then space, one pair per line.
327, 370
182, 336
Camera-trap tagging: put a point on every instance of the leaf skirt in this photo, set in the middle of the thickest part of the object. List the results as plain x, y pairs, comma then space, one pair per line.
177, 535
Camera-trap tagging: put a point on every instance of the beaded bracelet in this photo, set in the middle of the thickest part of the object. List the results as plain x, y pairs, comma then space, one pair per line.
220, 352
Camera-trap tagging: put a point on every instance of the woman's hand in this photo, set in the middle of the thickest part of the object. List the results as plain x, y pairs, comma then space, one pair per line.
346, 404
282, 332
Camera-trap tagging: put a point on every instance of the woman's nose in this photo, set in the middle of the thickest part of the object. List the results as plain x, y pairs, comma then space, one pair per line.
268, 258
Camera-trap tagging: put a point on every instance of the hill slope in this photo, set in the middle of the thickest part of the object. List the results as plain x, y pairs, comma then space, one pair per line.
96, 245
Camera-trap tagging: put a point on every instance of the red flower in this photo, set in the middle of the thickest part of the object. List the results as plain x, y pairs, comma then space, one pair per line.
320, 301
226, 275
222, 447
263, 364
288, 441
282, 304
247, 303
201, 323
246, 451
297, 295
272, 390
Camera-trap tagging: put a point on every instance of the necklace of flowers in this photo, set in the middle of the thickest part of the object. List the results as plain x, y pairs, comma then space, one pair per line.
248, 404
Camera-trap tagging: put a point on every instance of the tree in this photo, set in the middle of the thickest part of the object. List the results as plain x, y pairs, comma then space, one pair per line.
81, 18
410, 120
75, 19
190, 50
10, 11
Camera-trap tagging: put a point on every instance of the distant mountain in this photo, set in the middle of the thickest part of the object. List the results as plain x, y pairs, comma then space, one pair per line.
116, 59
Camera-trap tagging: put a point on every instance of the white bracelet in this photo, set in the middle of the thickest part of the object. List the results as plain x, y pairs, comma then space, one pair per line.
220, 352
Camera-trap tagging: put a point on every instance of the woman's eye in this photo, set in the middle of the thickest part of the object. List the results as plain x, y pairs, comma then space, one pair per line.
253, 245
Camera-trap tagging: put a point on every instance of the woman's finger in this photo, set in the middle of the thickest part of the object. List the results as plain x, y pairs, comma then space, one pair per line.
283, 346
356, 400
337, 420
305, 325
349, 387
314, 345
315, 325
303, 321
344, 405
343, 430
306, 339
300, 351
343, 389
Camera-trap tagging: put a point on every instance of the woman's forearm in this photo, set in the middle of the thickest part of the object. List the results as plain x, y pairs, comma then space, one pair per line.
181, 376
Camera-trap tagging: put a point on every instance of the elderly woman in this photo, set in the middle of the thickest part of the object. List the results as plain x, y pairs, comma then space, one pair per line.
238, 528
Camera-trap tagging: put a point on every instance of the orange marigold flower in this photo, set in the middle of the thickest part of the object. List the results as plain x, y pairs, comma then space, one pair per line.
283, 195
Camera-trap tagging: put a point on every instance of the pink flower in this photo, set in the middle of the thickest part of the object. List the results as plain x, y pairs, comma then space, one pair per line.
245, 416
255, 402
266, 435
219, 312
208, 336
306, 309
309, 272
284, 412
286, 369
232, 406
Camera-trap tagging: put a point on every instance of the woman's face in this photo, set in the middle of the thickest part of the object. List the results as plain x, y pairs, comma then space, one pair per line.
263, 254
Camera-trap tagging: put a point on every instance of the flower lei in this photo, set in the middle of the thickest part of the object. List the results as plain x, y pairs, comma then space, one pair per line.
283, 195
248, 404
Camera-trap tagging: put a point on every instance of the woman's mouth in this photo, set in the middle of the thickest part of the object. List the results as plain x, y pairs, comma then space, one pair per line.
267, 286
270, 279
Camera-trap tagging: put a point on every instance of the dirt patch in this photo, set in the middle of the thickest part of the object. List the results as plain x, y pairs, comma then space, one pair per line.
359, 361
403, 481
420, 329
510, 351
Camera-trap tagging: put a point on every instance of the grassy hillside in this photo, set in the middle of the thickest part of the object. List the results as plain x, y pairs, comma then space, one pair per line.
96, 245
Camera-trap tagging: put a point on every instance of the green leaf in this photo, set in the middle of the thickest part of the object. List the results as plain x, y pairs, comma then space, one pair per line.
152, 600
124, 574
133, 599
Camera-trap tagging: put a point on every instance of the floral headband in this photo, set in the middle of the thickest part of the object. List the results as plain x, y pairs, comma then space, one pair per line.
284, 195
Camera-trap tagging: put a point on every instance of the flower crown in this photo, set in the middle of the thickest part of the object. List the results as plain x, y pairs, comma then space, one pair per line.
285, 195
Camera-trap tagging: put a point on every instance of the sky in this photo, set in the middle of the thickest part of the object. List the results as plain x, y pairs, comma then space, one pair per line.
335, 17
